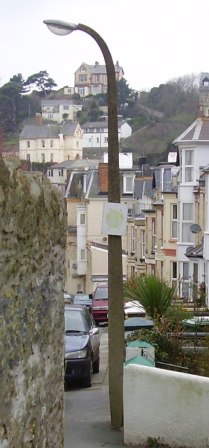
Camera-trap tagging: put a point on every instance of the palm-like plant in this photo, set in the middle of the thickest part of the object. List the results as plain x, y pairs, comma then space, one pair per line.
155, 295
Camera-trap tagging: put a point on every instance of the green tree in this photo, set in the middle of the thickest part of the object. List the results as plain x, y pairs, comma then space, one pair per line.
42, 82
7, 113
155, 295
125, 95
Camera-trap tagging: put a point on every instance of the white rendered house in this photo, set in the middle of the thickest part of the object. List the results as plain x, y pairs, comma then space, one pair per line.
95, 134
51, 143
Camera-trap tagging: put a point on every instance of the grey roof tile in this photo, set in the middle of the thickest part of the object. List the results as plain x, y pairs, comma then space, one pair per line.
32, 131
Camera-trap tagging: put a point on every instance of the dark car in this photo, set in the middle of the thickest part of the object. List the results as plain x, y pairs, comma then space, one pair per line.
82, 343
100, 303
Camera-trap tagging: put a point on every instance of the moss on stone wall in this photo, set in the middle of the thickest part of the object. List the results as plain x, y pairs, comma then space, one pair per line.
32, 250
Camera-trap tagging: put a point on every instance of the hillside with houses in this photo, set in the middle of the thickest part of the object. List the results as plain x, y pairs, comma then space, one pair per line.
166, 198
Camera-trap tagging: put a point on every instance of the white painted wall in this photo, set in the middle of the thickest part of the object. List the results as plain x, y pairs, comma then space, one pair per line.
170, 406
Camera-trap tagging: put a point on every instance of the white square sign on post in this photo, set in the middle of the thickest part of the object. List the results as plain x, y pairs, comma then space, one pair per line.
114, 219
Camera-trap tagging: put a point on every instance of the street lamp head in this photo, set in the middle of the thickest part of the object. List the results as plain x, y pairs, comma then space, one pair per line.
59, 27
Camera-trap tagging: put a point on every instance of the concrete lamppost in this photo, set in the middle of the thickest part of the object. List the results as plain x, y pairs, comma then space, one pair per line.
115, 271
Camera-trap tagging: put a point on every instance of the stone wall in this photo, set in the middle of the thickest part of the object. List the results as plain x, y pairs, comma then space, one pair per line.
32, 247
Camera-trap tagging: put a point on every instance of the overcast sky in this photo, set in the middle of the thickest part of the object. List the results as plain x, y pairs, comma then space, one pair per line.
153, 40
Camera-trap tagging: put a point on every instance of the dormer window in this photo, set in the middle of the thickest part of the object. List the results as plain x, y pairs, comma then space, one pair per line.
128, 184
205, 82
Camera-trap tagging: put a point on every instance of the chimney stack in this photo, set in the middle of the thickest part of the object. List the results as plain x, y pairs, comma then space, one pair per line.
103, 177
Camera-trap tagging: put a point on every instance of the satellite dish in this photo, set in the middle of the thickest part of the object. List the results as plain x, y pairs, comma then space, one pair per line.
195, 228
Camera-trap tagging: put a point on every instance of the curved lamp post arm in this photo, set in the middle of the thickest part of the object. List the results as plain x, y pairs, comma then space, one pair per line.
113, 150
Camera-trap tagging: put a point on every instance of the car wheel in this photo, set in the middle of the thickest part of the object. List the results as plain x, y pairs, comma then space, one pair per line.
95, 366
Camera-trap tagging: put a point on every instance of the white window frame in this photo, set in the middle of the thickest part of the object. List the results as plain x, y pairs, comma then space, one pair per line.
133, 242
186, 223
174, 221
185, 280
153, 235
82, 218
143, 242
126, 184
188, 165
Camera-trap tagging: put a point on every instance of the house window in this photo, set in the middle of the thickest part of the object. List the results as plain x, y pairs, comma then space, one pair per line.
106, 139
82, 218
50, 173
128, 184
174, 221
97, 78
185, 280
28, 157
97, 139
83, 254
187, 220
65, 107
51, 143
153, 235
81, 91
142, 239
43, 143
60, 173
173, 274
82, 78
43, 158
28, 143
132, 239
51, 157
189, 166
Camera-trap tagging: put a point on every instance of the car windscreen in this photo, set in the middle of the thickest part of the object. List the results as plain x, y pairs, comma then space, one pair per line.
101, 293
75, 321
81, 298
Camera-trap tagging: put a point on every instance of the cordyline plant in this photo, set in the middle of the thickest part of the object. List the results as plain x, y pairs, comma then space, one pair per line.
155, 295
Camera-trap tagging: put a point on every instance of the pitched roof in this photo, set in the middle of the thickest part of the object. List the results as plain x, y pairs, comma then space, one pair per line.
31, 131
197, 131
54, 102
77, 164
99, 69
100, 124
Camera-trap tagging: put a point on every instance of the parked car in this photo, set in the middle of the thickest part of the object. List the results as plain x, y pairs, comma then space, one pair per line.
100, 303
133, 308
82, 345
83, 299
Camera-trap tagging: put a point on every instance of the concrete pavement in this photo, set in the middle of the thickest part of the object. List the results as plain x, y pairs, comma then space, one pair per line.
87, 414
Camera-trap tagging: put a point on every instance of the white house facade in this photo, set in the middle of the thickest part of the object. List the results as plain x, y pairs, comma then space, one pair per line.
59, 109
95, 134
193, 147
